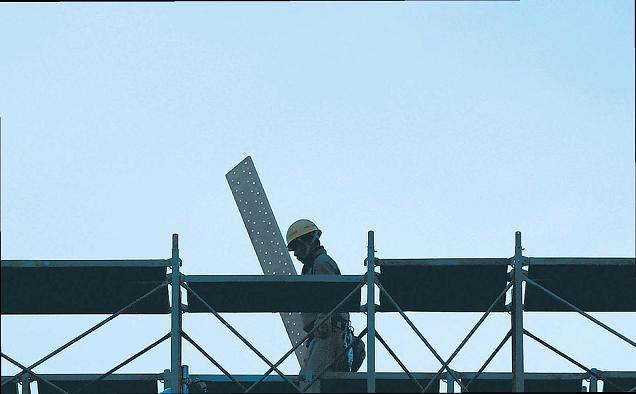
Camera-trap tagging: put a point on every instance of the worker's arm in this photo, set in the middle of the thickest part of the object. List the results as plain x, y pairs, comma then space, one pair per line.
325, 265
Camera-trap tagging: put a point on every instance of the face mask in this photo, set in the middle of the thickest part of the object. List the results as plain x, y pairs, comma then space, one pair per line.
304, 246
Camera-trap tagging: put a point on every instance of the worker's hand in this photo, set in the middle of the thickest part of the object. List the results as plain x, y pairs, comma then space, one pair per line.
324, 330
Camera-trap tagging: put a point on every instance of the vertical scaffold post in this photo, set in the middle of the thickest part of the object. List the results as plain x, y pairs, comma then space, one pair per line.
175, 327
26, 383
166, 379
450, 382
517, 318
593, 382
370, 314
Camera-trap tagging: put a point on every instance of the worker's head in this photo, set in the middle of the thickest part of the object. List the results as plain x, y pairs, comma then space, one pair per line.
302, 236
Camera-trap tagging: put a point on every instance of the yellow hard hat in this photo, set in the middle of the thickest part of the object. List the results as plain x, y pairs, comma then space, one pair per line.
300, 228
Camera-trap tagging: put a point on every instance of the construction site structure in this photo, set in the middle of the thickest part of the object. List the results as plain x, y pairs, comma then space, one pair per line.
115, 287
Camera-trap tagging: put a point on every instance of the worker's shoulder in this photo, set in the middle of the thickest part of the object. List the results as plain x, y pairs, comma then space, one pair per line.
324, 260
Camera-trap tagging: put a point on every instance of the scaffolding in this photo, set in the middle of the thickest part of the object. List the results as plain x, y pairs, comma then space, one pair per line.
118, 287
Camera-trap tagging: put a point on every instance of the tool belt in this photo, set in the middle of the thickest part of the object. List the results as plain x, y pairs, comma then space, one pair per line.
337, 324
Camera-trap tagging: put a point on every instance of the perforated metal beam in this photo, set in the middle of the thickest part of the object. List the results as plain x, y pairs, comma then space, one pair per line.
265, 236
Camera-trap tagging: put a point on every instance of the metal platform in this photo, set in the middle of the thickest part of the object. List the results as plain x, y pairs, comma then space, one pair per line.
534, 382
272, 293
82, 286
592, 284
443, 285
626, 380
330, 383
119, 383
333, 382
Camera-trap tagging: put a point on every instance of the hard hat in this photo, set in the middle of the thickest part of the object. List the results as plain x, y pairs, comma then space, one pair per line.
300, 228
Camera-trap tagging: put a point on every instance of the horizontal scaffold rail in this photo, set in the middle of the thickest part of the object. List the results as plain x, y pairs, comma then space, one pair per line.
342, 381
84, 263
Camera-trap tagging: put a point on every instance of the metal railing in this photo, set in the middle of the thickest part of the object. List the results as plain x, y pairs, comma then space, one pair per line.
177, 379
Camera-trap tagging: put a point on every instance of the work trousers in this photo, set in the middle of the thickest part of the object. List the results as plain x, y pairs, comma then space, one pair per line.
322, 351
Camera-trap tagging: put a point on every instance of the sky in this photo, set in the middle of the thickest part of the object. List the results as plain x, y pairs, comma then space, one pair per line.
443, 126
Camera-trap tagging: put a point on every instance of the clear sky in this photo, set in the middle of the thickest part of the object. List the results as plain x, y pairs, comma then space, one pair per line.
444, 127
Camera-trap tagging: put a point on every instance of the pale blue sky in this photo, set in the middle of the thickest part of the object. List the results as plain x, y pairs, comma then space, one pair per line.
443, 126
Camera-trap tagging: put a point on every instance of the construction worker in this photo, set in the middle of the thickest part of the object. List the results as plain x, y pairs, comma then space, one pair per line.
303, 238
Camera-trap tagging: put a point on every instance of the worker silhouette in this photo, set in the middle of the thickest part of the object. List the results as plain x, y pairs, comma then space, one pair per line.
330, 339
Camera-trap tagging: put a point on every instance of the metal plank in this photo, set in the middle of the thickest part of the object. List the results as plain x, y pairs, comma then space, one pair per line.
531, 385
438, 262
102, 387
386, 382
265, 236
258, 279
533, 382
83, 263
528, 375
89, 377
443, 287
584, 261
273, 293
592, 284
81, 290
11, 388
628, 384
331, 382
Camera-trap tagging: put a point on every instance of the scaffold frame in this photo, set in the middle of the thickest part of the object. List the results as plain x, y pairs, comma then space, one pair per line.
177, 376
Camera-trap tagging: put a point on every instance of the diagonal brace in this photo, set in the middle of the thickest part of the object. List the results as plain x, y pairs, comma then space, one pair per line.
239, 336
90, 330
419, 334
25, 369
397, 359
579, 310
128, 360
492, 355
316, 325
472, 331
212, 360
570, 359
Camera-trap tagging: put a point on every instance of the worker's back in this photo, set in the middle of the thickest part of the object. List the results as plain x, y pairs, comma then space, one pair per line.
322, 265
